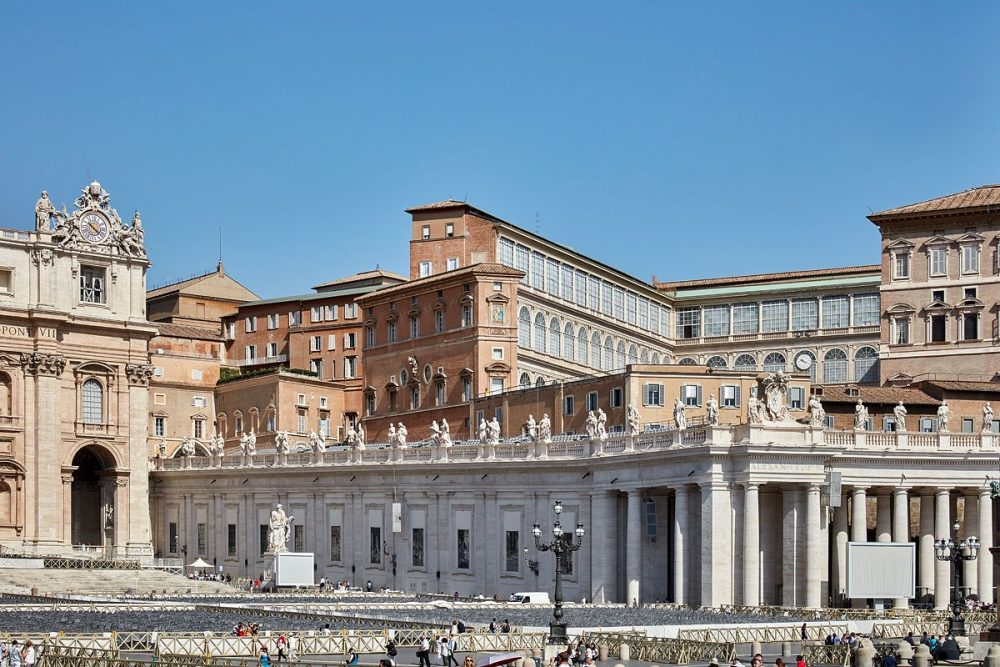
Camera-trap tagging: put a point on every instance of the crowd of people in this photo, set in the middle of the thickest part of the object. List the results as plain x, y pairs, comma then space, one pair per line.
16, 654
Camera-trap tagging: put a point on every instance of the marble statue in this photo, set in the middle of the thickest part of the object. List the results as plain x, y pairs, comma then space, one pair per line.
279, 530
531, 429
161, 449
391, 435
942, 414
545, 429
679, 417
860, 416
445, 438
359, 440
493, 435
899, 412
775, 395
281, 442
317, 441
218, 444
401, 435
131, 241
109, 515
755, 412
633, 420
187, 447
987, 418
248, 443
414, 367
602, 425
483, 430
44, 212
435, 433
817, 415
352, 435
713, 411
591, 425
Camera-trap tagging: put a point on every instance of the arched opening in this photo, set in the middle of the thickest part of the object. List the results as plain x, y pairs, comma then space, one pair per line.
6, 505
6, 395
91, 497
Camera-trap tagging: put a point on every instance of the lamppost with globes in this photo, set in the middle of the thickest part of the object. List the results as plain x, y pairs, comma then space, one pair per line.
954, 551
562, 545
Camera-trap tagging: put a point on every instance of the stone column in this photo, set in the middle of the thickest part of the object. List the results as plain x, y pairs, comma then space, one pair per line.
883, 514
633, 546
681, 532
790, 522
814, 549
602, 550
716, 545
44, 473
139, 541
859, 514
925, 545
751, 544
838, 566
900, 527
970, 519
942, 530
985, 560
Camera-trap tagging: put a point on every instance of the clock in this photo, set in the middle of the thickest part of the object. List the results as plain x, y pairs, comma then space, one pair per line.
94, 227
803, 362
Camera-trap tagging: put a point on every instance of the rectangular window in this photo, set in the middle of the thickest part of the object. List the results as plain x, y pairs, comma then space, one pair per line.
631, 308
414, 326
652, 394
970, 326
730, 395
369, 336
350, 311
654, 318
745, 318
414, 397
335, 554
928, 424
262, 538
301, 421
425, 269
370, 403
375, 545
805, 315
449, 230
939, 261
467, 315
866, 310
593, 292
537, 270
901, 333
250, 324
552, 277
592, 400
522, 262
774, 316
425, 232
439, 393
463, 549
968, 425
299, 538
331, 312
466, 389
172, 537
496, 385
451, 264
202, 538
970, 259
6, 281
616, 397
315, 343
350, 341
507, 252
199, 428
159, 426
606, 298
391, 331
497, 354
836, 312
350, 367
581, 288
619, 303
689, 322
417, 547
439, 321
250, 352
796, 398
316, 366
294, 318
901, 265
316, 314
231, 540
272, 350
664, 321
272, 321
512, 551
716, 320
691, 395
569, 405
92, 285
644, 313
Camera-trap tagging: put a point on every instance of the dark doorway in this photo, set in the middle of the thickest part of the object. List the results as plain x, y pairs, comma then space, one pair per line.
86, 501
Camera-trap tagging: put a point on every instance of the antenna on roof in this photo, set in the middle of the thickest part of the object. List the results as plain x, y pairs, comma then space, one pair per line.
870, 210
465, 199
219, 267
538, 222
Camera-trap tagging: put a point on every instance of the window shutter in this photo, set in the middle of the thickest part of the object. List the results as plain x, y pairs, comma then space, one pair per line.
645, 394
659, 394
698, 395
737, 390
683, 393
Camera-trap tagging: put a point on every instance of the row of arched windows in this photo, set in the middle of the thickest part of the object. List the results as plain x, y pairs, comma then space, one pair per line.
835, 364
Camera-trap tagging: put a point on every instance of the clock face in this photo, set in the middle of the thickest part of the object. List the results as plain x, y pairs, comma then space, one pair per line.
94, 227
803, 362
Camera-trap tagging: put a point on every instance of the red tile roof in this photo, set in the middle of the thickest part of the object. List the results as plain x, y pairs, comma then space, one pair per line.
981, 197
965, 385
837, 393
364, 275
187, 331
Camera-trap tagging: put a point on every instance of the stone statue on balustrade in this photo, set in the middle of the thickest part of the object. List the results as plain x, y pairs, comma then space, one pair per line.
391, 435
483, 430
359, 441
217, 445
712, 406
187, 447
45, 210
943, 413
755, 411
317, 441
435, 433
493, 432
445, 440
899, 412
531, 429
161, 449
591, 425
401, 434
602, 425
281, 442
817, 415
775, 397
987, 418
279, 530
633, 420
860, 416
352, 435
248, 443
545, 429
680, 419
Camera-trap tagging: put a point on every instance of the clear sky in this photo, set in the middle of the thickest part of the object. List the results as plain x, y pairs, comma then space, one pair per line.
678, 139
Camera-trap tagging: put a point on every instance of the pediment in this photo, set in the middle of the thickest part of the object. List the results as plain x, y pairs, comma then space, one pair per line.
970, 238
467, 298
970, 304
900, 244
498, 367
466, 372
900, 380
938, 241
937, 305
901, 308
497, 298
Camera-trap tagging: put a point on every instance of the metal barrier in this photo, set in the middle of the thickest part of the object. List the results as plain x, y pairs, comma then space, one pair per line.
827, 654
762, 633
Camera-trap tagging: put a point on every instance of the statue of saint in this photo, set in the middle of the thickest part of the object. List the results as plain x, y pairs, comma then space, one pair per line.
942, 414
987, 418
391, 434
359, 441
860, 416
602, 425
899, 412
281, 442
401, 434
754, 411
531, 429
713, 411
44, 212
280, 527
633, 420
494, 431
483, 430
545, 429
591, 425
679, 417
445, 438
817, 415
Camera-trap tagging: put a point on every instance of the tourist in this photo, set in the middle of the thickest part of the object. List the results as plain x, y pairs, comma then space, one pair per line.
282, 645
714, 662
439, 650
949, 650
468, 662
493, 626
449, 648
888, 660
460, 626
505, 626
352, 657
390, 650
803, 633
265, 659
424, 652
778, 662
14, 653
799, 660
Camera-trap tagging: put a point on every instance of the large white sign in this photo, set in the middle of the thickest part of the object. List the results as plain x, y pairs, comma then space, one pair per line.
293, 569
881, 570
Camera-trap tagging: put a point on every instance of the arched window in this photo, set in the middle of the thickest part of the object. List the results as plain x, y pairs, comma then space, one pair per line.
540, 329
609, 354
539, 381
716, 362
595, 351
6, 505
633, 354
745, 362
582, 347
524, 328
525, 380
774, 362
835, 366
6, 395
222, 425
620, 356
866, 365
687, 361
569, 343
655, 358
93, 402
644, 356
812, 366
555, 338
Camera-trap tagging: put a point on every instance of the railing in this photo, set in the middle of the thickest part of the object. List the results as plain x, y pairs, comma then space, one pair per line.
826, 654
762, 633
259, 361
85, 428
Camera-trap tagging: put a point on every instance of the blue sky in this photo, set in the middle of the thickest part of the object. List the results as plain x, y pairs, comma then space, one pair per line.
677, 139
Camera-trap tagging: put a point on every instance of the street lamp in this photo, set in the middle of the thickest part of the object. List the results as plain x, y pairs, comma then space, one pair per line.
562, 545
954, 551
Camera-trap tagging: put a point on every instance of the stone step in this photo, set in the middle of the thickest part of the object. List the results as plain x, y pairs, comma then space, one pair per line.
103, 582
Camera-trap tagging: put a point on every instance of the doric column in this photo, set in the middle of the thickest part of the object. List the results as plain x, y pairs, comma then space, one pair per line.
859, 514
716, 545
751, 545
814, 549
925, 546
790, 563
985, 536
883, 517
633, 546
681, 532
602, 553
838, 565
139, 539
942, 530
970, 519
900, 526
42, 373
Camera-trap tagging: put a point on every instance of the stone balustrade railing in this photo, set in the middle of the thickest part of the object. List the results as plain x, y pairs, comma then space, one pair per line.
615, 444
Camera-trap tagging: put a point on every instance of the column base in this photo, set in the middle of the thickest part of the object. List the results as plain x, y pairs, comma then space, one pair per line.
557, 634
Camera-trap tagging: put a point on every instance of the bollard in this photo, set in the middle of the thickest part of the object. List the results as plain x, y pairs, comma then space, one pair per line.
786, 649
905, 652
864, 655
754, 649
922, 656
602, 652
992, 657
624, 653
618, 664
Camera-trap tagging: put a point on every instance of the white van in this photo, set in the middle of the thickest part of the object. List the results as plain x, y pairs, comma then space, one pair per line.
531, 597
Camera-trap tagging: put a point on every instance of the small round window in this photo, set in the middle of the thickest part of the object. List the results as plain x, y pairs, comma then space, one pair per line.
427, 373
404, 376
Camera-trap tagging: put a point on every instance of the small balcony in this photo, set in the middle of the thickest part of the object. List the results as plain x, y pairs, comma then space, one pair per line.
96, 430
260, 361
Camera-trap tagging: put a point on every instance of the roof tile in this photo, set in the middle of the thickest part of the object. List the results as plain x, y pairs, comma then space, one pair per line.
984, 195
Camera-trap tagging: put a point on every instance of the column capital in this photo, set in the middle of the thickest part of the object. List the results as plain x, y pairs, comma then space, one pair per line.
984, 491
859, 489
900, 489
751, 486
943, 490
813, 487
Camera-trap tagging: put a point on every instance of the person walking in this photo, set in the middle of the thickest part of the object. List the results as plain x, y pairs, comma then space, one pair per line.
265, 659
14, 653
424, 652
449, 647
